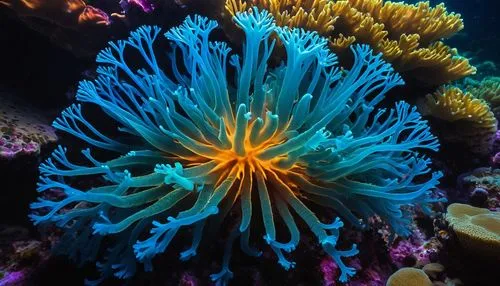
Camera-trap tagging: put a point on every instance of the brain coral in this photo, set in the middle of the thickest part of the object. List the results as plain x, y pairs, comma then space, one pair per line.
192, 147
472, 120
478, 229
408, 35
409, 276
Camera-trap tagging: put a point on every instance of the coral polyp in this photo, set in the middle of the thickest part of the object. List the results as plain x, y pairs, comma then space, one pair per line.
193, 147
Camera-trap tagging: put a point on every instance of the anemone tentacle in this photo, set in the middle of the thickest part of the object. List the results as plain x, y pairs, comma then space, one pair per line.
194, 146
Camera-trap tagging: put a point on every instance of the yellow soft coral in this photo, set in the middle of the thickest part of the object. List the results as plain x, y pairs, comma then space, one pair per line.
473, 121
452, 104
406, 34
312, 15
478, 229
489, 90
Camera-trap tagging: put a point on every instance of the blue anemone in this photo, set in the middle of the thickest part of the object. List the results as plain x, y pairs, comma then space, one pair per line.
192, 147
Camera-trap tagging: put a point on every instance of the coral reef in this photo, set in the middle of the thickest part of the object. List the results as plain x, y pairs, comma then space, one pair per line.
408, 35
22, 129
192, 148
483, 187
19, 255
470, 119
433, 270
478, 229
409, 276
414, 251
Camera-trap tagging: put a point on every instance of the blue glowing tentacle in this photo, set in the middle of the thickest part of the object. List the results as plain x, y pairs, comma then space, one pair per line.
162, 205
268, 129
113, 198
245, 193
174, 176
223, 136
219, 63
265, 205
413, 191
368, 69
338, 206
257, 27
302, 48
328, 241
301, 108
148, 35
370, 163
242, 118
200, 203
133, 158
245, 244
162, 234
279, 247
197, 234
293, 156
258, 99
68, 122
255, 130
222, 278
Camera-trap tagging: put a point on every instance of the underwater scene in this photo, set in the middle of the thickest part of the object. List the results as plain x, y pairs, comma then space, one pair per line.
249, 142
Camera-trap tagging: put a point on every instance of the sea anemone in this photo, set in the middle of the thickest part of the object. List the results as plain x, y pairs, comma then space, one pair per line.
192, 147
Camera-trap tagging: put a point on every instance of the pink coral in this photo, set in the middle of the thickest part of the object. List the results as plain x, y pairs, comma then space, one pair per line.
188, 279
415, 250
145, 5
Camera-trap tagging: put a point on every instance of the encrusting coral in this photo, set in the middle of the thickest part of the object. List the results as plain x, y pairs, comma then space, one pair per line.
473, 122
408, 35
478, 229
193, 147
22, 130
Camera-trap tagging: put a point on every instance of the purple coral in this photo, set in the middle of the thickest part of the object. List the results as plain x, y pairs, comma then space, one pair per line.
13, 278
22, 131
329, 270
145, 5
415, 250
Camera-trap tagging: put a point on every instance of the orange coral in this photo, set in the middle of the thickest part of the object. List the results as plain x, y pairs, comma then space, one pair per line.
407, 34
65, 13
91, 15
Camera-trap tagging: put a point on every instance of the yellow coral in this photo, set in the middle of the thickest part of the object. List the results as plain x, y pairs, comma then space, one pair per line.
452, 104
475, 124
406, 34
489, 90
478, 229
312, 15
409, 276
